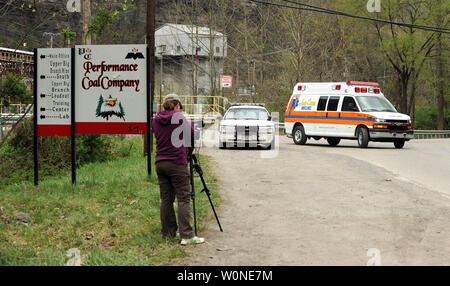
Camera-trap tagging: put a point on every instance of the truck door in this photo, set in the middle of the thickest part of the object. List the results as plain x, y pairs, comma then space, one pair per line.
332, 116
319, 128
348, 110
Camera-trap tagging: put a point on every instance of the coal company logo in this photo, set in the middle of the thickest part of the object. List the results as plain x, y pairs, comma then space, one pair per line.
134, 54
109, 107
86, 52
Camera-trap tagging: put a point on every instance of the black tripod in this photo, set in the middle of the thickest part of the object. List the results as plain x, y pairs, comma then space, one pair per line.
193, 164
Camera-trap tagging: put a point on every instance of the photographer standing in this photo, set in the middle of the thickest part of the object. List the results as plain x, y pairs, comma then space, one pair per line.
173, 133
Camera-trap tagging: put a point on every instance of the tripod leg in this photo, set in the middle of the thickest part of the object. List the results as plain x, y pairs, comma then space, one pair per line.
214, 210
191, 170
199, 171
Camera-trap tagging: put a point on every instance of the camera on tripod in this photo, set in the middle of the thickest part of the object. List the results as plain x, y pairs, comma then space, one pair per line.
194, 164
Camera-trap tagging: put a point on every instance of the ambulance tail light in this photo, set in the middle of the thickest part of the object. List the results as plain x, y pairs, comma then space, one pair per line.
301, 87
375, 84
336, 87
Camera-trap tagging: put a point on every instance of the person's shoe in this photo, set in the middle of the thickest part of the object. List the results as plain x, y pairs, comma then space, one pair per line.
192, 240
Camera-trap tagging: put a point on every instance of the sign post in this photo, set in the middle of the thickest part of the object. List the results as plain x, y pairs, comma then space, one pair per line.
52, 96
72, 121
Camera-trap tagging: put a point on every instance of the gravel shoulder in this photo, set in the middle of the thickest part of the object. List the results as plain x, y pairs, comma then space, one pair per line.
321, 205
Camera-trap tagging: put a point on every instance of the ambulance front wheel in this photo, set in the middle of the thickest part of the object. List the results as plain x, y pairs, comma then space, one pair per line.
363, 137
333, 141
299, 135
399, 144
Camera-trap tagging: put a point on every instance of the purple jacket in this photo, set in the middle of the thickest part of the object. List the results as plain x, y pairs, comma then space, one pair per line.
174, 149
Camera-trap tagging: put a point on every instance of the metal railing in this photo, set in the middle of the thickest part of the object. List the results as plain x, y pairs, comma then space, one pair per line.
200, 104
418, 134
19, 108
431, 134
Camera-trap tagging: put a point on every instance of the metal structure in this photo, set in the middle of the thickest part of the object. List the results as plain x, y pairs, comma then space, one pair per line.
200, 104
431, 134
17, 62
418, 134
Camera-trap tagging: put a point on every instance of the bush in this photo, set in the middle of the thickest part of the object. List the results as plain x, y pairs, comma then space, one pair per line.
16, 155
426, 116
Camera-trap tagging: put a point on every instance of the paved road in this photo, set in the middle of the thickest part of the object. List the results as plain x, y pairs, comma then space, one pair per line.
321, 205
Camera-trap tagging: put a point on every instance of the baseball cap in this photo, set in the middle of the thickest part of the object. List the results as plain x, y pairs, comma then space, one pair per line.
173, 96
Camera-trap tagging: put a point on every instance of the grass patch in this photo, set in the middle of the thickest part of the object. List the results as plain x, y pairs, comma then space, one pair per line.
111, 215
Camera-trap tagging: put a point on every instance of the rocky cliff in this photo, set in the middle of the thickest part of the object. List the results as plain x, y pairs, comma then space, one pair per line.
21, 21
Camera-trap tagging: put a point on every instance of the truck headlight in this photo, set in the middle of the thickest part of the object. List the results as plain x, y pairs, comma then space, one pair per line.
267, 129
227, 129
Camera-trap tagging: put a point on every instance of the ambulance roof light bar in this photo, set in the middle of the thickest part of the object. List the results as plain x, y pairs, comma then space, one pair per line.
363, 83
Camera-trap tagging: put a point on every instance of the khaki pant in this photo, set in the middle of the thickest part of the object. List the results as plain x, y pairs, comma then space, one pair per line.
174, 181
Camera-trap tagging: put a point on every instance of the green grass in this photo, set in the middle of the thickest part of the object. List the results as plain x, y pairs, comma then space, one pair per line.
111, 216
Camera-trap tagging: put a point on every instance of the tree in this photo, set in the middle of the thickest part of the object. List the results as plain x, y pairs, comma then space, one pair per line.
405, 49
13, 90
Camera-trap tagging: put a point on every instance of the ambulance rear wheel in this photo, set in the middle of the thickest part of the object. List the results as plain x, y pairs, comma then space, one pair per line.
399, 144
299, 135
363, 137
333, 141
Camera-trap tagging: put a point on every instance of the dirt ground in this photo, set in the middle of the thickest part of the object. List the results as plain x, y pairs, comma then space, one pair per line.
322, 205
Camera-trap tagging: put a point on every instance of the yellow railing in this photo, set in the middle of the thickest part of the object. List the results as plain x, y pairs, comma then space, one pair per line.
198, 105
14, 108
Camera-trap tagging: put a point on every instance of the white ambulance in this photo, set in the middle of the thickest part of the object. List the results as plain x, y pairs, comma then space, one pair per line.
344, 110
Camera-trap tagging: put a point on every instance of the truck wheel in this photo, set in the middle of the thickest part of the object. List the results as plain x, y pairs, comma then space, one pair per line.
399, 144
299, 135
363, 137
333, 141
222, 145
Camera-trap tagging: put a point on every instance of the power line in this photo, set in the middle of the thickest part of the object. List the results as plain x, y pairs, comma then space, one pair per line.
333, 12
362, 17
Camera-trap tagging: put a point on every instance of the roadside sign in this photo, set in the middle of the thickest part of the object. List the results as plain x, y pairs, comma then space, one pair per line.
53, 92
111, 89
226, 81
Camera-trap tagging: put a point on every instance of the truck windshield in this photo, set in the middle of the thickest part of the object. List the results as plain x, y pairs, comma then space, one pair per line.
375, 103
247, 114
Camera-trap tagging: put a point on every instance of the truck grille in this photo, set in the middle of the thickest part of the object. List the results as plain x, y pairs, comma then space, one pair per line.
397, 124
247, 132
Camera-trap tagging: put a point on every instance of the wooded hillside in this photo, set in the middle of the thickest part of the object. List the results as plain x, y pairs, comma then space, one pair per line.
274, 47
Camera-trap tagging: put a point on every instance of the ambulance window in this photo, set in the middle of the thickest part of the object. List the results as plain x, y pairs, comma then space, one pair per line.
322, 103
333, 103
349, 104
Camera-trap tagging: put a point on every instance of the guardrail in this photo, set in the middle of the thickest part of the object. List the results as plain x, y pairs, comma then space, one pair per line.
10, 119
431, 134
418, 134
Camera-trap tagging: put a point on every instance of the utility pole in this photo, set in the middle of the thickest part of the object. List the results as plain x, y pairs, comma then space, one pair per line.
253, 90
196, 54
86, 9
161, 80
150, 39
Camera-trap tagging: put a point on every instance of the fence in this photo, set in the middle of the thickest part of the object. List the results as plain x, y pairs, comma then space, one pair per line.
431, 134
418, 134
14, 109
200, 104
